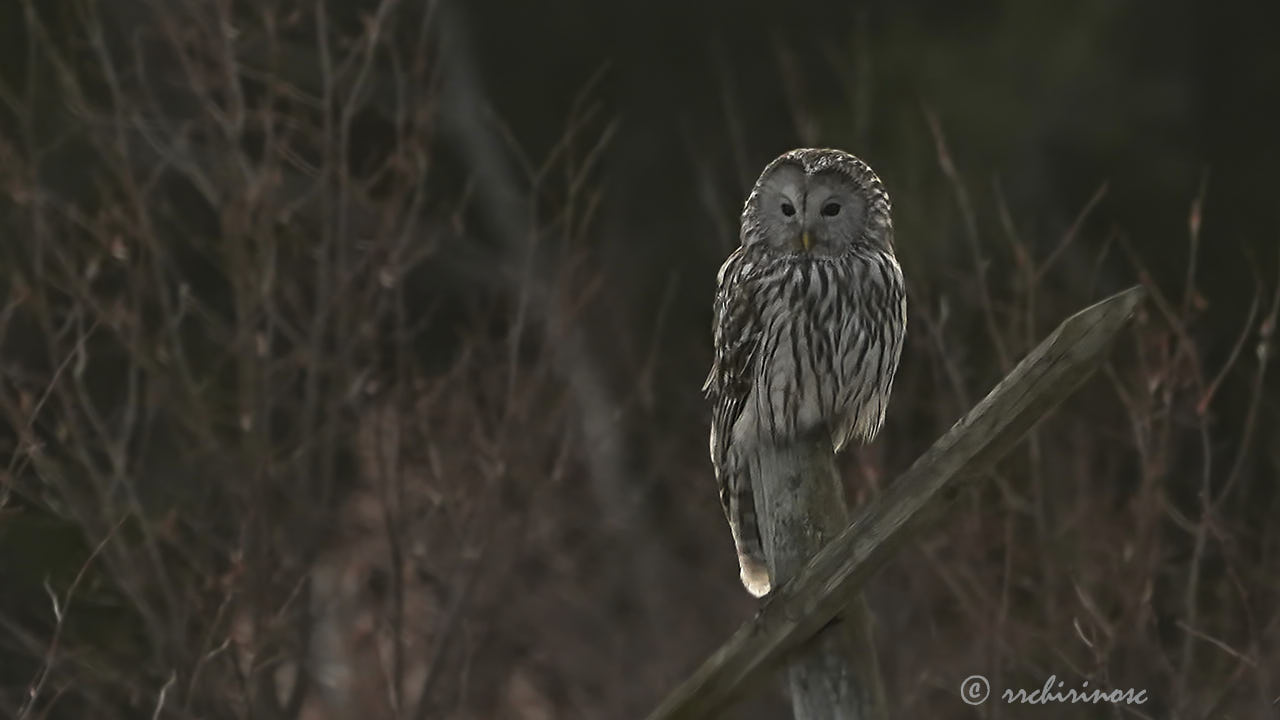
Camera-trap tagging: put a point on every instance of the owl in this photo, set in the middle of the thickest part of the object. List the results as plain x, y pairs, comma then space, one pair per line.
810, 316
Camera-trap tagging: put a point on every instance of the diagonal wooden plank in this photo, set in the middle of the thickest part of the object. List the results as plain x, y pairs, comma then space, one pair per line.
800, 608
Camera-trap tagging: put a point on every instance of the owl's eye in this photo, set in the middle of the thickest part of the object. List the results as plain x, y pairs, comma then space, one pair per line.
831, 209
788, 209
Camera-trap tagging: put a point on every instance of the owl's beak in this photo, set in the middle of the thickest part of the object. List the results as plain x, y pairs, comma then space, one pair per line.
805, 241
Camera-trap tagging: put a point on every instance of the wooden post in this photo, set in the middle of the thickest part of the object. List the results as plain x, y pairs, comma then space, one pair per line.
801, 507
831, 581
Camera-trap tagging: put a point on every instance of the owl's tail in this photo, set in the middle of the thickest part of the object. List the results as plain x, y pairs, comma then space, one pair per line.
746, 538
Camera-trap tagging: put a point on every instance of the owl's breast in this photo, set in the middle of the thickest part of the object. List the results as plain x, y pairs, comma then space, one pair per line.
829, 350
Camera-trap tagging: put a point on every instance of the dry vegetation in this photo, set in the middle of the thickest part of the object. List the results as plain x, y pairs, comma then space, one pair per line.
309, 411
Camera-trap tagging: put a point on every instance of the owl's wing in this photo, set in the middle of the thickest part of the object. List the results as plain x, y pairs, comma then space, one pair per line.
736, 334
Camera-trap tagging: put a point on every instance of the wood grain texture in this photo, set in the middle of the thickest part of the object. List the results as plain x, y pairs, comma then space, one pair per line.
801, 508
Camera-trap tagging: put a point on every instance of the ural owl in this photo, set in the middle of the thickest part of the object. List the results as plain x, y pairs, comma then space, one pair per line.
810, 315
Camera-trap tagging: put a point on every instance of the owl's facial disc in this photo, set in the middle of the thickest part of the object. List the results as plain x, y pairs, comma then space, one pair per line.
814, 214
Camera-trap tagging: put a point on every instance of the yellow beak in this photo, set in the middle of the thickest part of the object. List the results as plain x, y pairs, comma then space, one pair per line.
805, 240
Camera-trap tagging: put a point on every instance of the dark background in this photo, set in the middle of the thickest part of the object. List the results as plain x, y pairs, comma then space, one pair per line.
351, 350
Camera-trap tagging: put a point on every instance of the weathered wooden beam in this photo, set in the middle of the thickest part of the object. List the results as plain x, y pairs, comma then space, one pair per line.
797, 610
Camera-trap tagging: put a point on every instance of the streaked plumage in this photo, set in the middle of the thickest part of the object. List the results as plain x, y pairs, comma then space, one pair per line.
810, 316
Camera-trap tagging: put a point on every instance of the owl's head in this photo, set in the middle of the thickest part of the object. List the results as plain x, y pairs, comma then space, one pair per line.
817, 201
